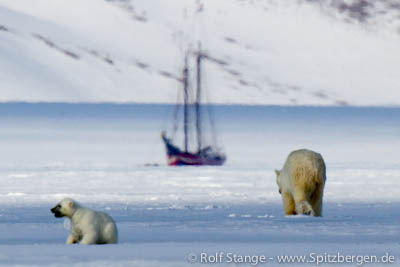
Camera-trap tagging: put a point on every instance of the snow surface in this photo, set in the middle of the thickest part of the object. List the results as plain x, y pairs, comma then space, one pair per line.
110, 158
330, 52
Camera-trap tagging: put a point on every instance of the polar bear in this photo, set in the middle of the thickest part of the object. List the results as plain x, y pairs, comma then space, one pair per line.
87, 226
301, 183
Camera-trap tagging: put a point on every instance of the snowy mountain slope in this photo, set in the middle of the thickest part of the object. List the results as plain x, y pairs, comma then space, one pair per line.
328, 52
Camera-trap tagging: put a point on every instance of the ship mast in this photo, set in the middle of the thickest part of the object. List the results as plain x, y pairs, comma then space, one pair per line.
198, 99
186, 102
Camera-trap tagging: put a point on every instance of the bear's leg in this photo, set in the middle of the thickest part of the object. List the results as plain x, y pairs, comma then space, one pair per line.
71, 239
302, 203
318, 208
303, 207
288, 203
89, 238
316, 200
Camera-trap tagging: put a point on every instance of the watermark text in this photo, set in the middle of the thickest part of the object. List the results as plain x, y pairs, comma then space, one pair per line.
311, 258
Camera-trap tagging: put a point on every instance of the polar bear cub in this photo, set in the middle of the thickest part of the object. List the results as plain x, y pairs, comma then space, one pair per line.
87, 226
301, 183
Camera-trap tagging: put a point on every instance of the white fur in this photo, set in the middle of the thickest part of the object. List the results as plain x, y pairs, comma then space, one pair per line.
88, 226
301, 183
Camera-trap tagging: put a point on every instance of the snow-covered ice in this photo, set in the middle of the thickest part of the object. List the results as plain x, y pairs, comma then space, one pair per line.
99, 154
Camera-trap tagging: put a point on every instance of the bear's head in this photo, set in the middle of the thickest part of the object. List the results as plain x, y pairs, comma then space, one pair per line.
278, 180
65, 207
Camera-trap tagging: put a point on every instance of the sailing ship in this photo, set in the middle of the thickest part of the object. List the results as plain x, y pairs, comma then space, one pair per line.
202, 154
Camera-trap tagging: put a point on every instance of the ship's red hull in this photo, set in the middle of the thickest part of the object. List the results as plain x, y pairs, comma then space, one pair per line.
181, 159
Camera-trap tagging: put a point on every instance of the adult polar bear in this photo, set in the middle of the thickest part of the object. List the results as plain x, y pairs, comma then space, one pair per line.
301, 183
87, 226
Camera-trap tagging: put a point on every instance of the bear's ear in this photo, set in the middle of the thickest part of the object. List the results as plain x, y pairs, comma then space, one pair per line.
277, 173
70, 204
